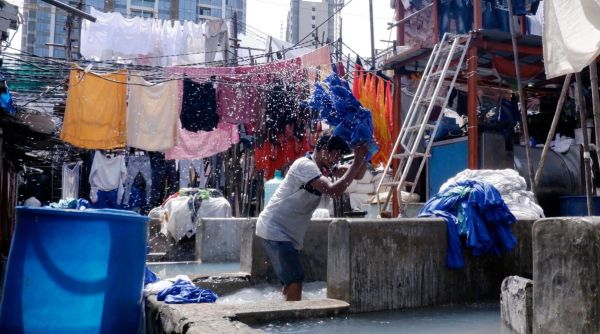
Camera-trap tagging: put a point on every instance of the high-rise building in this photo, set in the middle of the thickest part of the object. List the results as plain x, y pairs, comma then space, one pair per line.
305, 18
45, 32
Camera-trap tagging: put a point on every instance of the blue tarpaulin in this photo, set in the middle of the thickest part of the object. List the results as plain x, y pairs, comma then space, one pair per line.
340, 109
477, 211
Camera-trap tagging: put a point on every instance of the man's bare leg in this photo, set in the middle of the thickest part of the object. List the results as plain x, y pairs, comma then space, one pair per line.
293, 291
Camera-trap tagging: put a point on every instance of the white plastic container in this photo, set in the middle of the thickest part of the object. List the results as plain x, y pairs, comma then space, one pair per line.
271, 186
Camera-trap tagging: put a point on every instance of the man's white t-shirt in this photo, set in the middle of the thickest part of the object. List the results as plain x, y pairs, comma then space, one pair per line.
286, 216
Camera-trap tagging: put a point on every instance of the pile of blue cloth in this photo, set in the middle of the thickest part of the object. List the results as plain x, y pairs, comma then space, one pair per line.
474, 210
179, 291
339, 108
184, 292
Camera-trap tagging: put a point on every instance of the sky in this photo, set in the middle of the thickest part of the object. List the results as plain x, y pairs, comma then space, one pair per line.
269, 16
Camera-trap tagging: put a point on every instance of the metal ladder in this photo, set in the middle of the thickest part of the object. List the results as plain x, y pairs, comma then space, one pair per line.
418, 129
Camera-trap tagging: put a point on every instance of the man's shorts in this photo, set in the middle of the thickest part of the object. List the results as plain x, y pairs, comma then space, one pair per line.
285, 259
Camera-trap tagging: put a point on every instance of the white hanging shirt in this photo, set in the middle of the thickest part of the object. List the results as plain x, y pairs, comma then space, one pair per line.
152, 114
107, 174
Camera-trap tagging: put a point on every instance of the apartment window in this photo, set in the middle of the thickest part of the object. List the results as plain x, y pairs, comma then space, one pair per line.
313, 17
143, 13
204, 11
313, 26
313, 9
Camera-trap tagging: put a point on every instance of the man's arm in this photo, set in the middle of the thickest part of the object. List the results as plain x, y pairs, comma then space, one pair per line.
338, 187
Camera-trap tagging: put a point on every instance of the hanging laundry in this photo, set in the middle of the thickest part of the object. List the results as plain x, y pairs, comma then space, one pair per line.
202, 144
152, 114
571, 36
138, 165
70, 180
236, 100
194, 46
184, 172
199, 107
152, 42
269, 157
382, 130
172, 43
107, 176
113, 36
340, 109
96, 110
216, 38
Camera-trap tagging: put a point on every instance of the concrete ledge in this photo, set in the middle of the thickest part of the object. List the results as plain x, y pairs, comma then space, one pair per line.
516, 304
566, 275
254, 260
389, 264
218, 239
216, 318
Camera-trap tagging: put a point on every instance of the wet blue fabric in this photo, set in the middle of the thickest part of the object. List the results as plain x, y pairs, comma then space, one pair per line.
339, 108
476, 211
150, 276
107, 199
6, 102
185, 292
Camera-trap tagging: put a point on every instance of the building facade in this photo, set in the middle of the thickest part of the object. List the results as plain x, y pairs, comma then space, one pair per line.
45, 26
305, 18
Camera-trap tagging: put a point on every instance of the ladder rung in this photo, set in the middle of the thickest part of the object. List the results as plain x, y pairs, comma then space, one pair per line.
417, 127
438, 73
395, 183
427, 100
406, 155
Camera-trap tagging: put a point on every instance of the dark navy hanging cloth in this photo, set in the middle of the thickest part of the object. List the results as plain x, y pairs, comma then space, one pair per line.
474, 210
199, 106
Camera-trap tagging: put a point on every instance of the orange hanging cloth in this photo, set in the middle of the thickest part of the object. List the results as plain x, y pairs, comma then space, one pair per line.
381, 128
95, 114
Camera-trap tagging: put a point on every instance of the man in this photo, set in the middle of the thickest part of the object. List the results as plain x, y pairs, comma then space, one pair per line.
283, 223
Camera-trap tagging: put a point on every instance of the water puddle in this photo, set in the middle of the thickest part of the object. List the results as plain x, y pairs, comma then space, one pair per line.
172, 269
472, 319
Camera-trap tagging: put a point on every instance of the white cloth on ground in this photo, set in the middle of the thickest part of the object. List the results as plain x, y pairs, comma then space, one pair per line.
152, 114
511, 186
107, 174
156, 287
571, 36
177, 216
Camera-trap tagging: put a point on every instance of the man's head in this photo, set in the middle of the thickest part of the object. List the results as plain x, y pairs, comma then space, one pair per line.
330, 149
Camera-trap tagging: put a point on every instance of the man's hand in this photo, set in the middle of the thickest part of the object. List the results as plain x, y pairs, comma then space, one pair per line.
360, 152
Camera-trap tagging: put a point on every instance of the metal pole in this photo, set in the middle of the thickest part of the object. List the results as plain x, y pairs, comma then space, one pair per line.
70, 10
372, 35
472, 60
595, 105
587, 159
235, 36
522, 104
561, 102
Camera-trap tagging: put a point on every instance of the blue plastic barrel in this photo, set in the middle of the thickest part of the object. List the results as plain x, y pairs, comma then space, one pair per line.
577, 206
74, 272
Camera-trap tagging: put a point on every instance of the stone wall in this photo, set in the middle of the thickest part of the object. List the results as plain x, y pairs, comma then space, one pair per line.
566, 275
397, 263
218, 239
